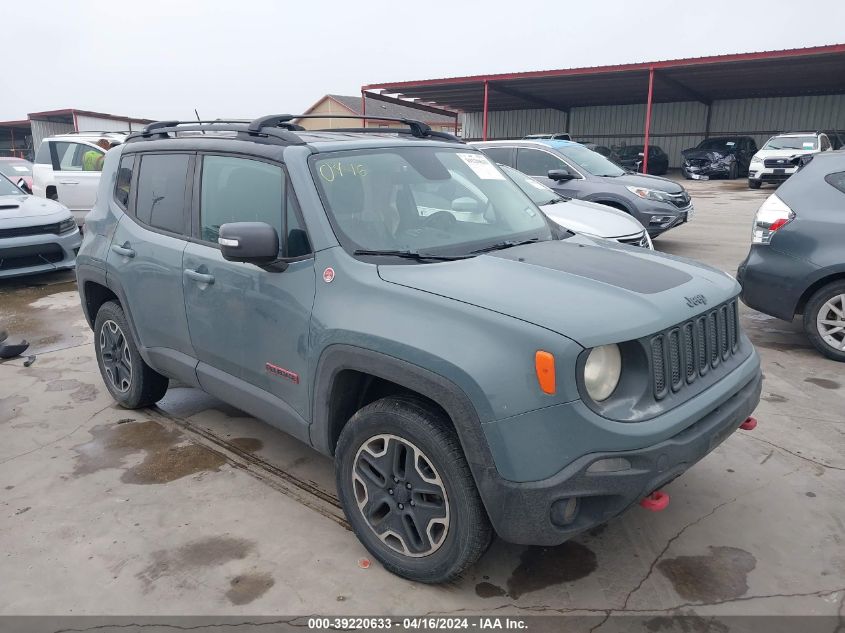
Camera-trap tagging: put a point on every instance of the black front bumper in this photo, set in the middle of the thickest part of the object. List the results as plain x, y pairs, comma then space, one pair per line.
536, 513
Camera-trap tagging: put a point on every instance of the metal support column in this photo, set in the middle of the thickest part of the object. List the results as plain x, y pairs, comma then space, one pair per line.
648, 118
484, 118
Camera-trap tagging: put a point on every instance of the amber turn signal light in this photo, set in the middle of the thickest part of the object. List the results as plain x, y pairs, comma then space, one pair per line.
544, 362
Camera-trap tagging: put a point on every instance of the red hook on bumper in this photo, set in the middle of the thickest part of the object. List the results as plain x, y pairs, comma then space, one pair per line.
656, 501
749, 425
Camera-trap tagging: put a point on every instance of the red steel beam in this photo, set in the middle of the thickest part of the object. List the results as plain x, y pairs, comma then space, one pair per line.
648, 118
363, 108
484, 118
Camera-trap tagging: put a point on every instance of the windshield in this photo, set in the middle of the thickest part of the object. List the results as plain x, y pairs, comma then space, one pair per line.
792, 142
590, 161
539, 193
8, 189
631, 151
423, 200
719, 144
15, 168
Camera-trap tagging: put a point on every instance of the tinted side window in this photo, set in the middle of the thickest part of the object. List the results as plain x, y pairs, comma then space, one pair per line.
239, 190
837, 180
536, 163
825, 143
124, 180
161, 191
501, 155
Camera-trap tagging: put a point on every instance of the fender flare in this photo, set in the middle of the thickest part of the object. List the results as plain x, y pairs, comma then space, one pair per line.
338, 357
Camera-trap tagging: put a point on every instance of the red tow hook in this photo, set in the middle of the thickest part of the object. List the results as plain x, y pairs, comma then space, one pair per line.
749, 425
656, 501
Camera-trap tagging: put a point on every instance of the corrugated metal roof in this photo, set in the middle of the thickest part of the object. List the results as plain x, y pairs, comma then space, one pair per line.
789, 72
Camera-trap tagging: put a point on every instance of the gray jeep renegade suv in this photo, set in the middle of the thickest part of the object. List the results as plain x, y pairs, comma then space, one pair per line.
389, 297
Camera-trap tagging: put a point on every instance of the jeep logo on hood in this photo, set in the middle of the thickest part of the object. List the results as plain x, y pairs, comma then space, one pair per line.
696, 300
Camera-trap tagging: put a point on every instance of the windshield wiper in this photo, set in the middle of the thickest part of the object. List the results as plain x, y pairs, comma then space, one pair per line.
407, 255
506, 244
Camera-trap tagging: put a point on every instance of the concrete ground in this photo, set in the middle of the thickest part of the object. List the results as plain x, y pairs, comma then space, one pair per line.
194, 508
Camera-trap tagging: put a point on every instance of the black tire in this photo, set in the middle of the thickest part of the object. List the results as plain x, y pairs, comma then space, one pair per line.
130, 381
733, 172
819, 303
754, 184
459, 524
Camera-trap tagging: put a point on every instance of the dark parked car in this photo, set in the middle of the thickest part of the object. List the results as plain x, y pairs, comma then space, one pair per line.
609, 153
631, 158
573, 171
554, 136
722, 157
796, 264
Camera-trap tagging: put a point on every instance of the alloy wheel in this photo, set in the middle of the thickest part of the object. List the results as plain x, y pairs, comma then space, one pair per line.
117, 359
401, 495
830, 322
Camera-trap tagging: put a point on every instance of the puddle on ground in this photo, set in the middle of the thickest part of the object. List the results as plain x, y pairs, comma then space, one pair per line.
541, 567
720, 575
248, 587
210, 551
10, 407
82, 391
824, 383
489, 590
168, 455
45, 310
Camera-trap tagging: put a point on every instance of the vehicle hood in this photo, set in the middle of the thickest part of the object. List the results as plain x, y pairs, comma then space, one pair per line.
763, 154
707, 154
591, 218
593, 293
23, 210
643, 180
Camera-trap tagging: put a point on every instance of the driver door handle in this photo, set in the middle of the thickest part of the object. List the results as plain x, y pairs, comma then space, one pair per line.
199, 277
69, 182
123, 250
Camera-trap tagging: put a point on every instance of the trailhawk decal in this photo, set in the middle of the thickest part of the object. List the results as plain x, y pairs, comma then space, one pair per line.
275, 370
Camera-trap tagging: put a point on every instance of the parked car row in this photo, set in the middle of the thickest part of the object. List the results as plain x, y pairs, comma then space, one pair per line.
574, 171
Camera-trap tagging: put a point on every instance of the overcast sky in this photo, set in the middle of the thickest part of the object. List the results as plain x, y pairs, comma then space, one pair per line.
242, 58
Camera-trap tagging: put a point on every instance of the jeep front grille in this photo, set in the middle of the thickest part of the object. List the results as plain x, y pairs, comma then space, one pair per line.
691, 349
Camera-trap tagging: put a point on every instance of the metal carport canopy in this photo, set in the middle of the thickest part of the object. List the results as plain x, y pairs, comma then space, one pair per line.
818, 70
802, 71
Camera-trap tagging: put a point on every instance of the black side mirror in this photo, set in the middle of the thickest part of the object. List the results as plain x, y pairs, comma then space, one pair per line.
251, 243
560, 175
22, 184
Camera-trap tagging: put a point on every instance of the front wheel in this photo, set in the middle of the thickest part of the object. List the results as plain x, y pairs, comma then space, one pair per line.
824, 320
407, 490
753, 184
130, 381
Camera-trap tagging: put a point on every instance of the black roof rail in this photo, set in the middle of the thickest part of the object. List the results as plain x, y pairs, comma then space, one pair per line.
417, 128
282, 127
392, 130
162, 129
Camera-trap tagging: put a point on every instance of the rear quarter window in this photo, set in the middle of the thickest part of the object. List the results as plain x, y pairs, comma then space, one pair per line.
837, 180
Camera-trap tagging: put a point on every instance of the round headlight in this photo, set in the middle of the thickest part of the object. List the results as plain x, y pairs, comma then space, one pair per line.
602, 371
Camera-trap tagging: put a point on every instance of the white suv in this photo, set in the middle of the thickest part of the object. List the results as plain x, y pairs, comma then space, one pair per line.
780, 156
61, 171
